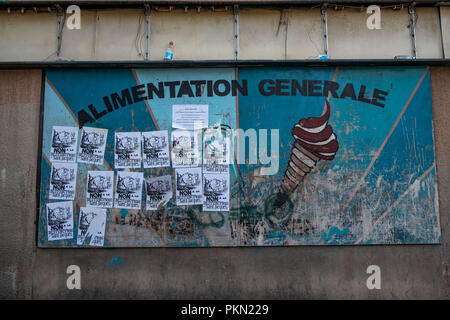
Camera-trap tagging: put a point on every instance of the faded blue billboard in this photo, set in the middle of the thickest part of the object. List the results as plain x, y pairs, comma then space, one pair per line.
318, 155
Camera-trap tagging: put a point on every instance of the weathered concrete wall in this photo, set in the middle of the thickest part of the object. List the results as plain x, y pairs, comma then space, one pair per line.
349, 36
428, 35
349, 26
27, 36
445, 25
20, 93
119, 34
413, 271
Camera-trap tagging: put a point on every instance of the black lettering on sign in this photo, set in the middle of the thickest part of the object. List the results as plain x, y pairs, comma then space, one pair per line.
266, 90
222, 87
198, 87
83, 118
172, 85
138, 93
95, 113
349, 91
151, 89
282, 84
301, 88
378, 95
185, 89
226, 88
123, 100
313, 87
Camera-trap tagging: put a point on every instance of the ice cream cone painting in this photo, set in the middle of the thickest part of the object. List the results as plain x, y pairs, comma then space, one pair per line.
314, 141
318, 155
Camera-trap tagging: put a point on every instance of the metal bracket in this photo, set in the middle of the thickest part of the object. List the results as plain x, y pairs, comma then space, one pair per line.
59, 30
325, 28
236, 32
412, 29
147, 31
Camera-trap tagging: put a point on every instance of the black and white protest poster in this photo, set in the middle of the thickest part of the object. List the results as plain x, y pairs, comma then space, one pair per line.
216, 150
216, 191
185, 151
64, 144
128, 193
158, 191
99, 191
188, 186
91, 226
59, 220
127, 150
63, 179
155, 149
92, 145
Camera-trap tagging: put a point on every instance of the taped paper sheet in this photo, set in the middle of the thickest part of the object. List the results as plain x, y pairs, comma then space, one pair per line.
185, 151
216, 192
155, 149
99, 191
59, 220
159, 191
63, 179
92, 225
188, 186
190, 116
127, 150
216, 150
64, 144
128, 190
92, 145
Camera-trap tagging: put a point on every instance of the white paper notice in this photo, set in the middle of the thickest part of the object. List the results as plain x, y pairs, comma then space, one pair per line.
155, 149
92, 225
128, 190
184, 149
63, 179
59, 220
127, 150
216, 151
216, 192
159, 191
188, 186
190, 117
99, 191
92, 145
64, 144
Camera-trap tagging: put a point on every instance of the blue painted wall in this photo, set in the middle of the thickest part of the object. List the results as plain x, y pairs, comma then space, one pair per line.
380, 188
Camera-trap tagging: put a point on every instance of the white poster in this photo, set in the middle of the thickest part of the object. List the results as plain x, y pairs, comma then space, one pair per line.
185, 151
216, 150
158, 191
128, 193
63, 180
60, 220
155, 149
92, 225
99, 191
216, 192
190, 117
127, 150
64, 144
188, 186
92, 145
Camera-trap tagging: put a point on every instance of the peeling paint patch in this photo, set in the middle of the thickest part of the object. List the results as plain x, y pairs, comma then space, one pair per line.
115, 262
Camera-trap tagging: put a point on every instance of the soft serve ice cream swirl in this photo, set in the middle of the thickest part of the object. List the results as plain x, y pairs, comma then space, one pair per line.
314, 140
316, 135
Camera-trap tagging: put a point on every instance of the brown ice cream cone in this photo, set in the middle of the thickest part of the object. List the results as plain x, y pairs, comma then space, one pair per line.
300, 163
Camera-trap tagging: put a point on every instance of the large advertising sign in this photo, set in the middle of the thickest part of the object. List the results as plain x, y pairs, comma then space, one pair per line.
248, 156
